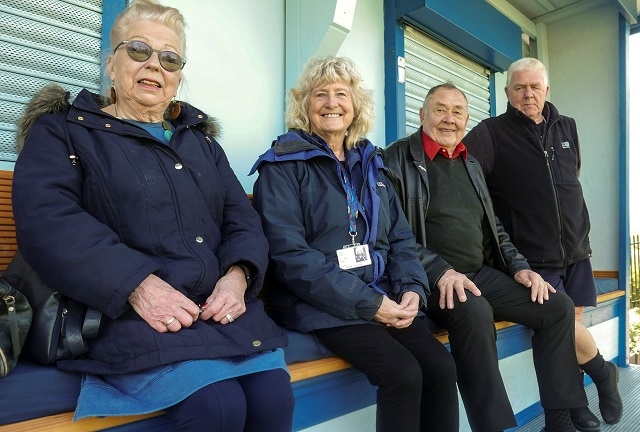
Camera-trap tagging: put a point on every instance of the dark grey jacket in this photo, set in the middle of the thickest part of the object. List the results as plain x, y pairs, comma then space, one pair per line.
405, 160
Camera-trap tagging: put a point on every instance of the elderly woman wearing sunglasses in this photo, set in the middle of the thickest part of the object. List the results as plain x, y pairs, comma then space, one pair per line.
129, 205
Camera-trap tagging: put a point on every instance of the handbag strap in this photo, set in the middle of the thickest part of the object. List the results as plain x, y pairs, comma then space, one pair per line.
71, 330
91, 323
10, 301
79, 326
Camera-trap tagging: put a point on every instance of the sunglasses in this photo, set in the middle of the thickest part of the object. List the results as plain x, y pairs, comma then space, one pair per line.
141, 52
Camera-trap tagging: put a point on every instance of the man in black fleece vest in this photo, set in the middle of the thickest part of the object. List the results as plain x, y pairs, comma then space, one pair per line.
476, 273
530, 156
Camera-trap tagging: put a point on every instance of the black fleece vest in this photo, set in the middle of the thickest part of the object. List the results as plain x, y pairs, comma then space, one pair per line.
535, 188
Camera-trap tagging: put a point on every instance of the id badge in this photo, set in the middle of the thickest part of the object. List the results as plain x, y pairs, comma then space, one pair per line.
353, 255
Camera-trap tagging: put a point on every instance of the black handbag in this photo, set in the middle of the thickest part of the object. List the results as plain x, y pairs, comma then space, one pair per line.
61, 326
15, 319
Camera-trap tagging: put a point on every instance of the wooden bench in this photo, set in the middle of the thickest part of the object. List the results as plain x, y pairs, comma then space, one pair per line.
63, 422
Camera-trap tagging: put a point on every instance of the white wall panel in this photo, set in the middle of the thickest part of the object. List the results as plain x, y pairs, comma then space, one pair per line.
583, 75
235, 72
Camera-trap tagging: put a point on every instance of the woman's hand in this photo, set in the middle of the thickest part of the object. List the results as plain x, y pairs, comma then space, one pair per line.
398, 315
226, 302
163, 307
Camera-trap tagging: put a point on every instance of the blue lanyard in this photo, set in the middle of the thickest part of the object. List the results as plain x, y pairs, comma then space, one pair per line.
353, 205
354, 208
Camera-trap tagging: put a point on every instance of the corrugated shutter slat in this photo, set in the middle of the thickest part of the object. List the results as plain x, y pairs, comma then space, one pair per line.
44, 41
429, 63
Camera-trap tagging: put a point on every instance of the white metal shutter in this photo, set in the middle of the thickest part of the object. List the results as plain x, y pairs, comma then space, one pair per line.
429, 63
44, 41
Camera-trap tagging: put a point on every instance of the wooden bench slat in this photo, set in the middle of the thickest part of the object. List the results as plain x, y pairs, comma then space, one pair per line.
608, 274
610, 295
7, 221
63, 423
304, 370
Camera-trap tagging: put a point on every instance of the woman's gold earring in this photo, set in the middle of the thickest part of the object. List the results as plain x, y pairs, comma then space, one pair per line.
174, 109
112, 94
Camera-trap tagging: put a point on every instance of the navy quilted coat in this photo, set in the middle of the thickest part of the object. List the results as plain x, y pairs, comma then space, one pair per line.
129, 207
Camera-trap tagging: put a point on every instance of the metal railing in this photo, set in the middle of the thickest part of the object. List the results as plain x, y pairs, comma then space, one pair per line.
635, 271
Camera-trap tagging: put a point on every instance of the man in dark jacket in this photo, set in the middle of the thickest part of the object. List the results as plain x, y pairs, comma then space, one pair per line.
476, 274
533, 148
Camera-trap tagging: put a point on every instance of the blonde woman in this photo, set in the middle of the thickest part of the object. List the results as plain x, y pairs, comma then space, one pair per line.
342, 252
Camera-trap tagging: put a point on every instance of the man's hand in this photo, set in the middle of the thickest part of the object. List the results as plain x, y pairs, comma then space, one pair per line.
539, 287
452, 281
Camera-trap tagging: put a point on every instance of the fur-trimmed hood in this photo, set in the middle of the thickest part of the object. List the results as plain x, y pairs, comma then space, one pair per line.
54, 99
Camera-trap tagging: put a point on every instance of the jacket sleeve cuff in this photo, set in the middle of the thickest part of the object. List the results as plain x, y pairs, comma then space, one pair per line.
515, 267
436, 274
416, 289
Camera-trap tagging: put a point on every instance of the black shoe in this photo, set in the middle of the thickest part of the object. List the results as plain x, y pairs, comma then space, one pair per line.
584, 420
609, 397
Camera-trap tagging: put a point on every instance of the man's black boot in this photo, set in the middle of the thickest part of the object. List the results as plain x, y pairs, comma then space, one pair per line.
584, 420
610, 401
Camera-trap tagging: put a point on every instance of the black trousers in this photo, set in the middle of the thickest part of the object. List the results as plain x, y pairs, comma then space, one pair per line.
472, 338
415, 374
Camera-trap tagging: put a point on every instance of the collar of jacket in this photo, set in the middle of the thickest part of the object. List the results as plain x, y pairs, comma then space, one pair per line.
52, 99
417, 150
91, 103
419, 158
294, 145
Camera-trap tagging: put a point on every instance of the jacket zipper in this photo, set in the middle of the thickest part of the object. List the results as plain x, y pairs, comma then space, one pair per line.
548, 160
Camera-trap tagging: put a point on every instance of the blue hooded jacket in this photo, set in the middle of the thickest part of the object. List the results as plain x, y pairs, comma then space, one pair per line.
303, 205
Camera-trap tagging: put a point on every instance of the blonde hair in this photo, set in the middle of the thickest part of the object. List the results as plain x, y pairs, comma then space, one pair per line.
328, 70
144, 10
527, 64
148, 10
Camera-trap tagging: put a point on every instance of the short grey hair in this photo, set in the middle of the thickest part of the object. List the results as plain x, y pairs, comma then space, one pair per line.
527, 64
449, 86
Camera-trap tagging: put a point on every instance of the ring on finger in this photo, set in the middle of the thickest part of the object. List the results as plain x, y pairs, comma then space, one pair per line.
171, 320
229, 317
